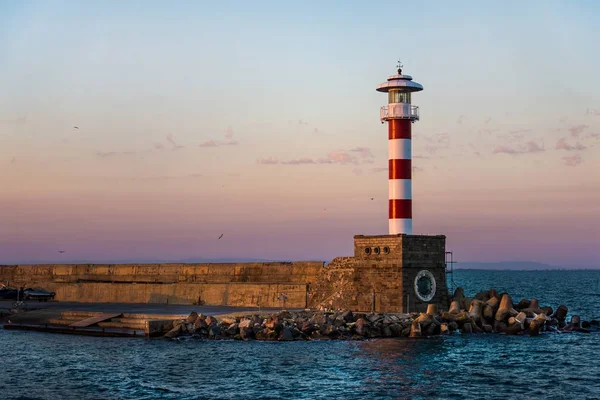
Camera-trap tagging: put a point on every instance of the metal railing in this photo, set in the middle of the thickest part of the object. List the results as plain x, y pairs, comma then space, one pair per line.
412, 114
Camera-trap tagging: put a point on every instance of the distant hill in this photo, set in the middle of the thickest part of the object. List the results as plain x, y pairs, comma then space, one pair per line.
506, 265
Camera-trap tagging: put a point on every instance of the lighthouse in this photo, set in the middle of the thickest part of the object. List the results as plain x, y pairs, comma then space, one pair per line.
400, 114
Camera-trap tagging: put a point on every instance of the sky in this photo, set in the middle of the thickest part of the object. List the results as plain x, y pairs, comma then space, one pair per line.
146, 129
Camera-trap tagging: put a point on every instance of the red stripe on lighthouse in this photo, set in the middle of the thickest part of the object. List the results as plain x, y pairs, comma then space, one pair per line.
400, 208
400, 169
399, 129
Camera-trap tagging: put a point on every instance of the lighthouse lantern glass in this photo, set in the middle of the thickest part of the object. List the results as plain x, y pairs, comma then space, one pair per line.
398, 96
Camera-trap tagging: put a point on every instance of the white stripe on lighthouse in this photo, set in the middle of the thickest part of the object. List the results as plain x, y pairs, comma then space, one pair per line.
400, 188
400, 225
399, 149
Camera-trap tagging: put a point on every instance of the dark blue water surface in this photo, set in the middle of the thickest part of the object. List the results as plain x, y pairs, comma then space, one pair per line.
49, 366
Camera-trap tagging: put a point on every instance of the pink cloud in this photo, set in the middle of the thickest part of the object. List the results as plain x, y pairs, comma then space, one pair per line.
592, 111
512, 137
576, 130
520, 131
364, 152
563, 145
209, 143
380, 169
439, 138
572, 161
364, 156
268, 161
529, 147
338, 157
439, 141
533, 147
299, 161
432, 149
357, 171
217, 143
106, 154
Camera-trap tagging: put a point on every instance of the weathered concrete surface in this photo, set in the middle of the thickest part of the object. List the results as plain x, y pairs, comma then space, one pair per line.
299, 272
235, 284
230, 294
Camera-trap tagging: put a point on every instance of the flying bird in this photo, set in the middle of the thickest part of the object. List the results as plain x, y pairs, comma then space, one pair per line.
61, 251
372, 198
221, 235
75, 127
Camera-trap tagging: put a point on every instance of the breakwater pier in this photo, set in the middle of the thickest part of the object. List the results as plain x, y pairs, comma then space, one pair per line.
489, 312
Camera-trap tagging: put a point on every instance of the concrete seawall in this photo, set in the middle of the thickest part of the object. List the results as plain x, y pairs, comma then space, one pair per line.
232, 284
388, 273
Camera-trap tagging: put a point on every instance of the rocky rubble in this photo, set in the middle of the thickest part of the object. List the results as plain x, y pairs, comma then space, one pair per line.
488, 312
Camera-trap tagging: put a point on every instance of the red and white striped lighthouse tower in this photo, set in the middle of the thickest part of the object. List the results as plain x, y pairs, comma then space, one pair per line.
400, 114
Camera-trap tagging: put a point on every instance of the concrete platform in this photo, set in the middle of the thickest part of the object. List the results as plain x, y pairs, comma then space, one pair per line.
121, 319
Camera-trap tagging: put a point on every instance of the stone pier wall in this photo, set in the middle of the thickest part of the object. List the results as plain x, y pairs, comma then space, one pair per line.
234, 284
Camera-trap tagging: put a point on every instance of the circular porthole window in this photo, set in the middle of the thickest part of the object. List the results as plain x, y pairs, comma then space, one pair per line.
386, 250
425, 285
367, 250
376, 250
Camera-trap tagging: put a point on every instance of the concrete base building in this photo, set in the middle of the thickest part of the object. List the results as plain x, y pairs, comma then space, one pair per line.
388, 273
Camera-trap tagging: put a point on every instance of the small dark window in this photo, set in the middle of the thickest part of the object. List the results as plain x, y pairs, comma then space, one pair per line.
386, 250
376, 250
367, 250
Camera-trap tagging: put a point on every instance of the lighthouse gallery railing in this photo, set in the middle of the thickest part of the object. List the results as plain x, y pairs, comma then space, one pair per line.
408, 111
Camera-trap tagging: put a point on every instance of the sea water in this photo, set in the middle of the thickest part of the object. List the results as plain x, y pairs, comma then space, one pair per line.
49, 366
